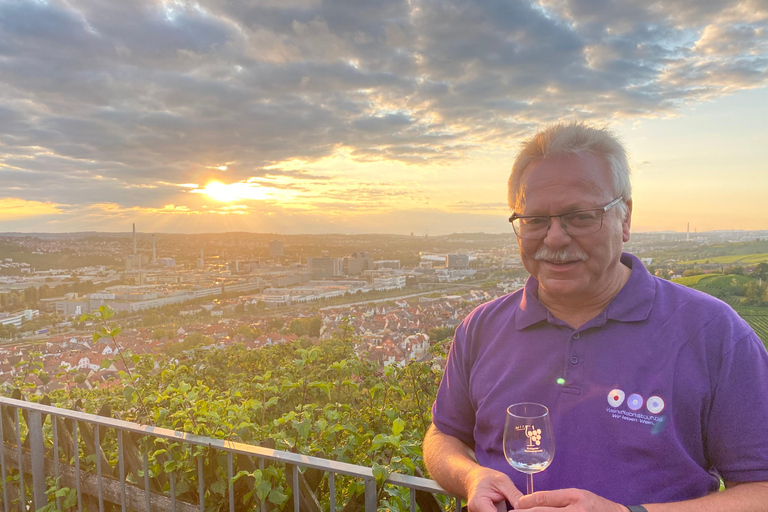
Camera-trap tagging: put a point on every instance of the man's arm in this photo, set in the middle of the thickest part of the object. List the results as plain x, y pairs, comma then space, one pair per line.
452, 464
737, 497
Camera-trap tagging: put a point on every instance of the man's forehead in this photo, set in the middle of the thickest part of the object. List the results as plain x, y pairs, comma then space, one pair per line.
570, 179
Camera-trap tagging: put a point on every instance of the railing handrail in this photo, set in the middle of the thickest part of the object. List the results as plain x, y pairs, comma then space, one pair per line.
353, 470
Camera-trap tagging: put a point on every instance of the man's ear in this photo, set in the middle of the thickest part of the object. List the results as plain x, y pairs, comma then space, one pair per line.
626, 222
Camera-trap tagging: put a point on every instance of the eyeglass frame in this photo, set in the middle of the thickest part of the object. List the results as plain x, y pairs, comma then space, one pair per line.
603, 209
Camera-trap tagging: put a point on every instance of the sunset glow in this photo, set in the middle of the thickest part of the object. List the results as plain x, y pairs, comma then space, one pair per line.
300, 127
226, 193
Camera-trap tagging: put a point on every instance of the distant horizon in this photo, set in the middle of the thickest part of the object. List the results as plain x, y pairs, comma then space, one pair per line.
415, 235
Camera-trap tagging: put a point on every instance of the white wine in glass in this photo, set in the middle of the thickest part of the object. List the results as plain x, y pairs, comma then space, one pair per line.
529, 442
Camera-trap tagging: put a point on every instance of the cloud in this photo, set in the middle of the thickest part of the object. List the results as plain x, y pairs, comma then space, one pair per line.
115, 102
12, 208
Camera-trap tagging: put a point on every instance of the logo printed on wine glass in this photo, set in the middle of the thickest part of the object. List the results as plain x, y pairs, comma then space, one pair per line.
534, 438
615, 397
635, 401
655, 404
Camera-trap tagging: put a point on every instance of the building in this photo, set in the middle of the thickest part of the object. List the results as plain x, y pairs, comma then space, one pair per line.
325, 267
276, 249
458, 261
357, 262
16, 319
393, 264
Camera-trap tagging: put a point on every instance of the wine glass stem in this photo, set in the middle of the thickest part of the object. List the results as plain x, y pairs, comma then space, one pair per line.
530, 483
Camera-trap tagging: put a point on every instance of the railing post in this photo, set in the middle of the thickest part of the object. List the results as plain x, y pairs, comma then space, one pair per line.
35, 425
370, 495
6, 505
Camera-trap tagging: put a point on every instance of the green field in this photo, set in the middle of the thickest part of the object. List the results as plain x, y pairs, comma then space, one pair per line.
692, 281
724, 287
757, 318
732, 259
727, 288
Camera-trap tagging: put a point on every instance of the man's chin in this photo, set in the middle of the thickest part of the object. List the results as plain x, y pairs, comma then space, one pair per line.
560, 286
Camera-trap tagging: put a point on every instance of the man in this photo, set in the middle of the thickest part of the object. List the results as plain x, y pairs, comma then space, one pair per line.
655, 390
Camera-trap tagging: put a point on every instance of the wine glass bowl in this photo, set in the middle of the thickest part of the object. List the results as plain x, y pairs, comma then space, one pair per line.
529, 441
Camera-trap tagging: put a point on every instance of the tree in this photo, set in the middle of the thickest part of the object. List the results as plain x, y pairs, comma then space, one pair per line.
248, 332
313, 326
297, 327
158, 334
441, 333
761, 271
751, 293
275, 324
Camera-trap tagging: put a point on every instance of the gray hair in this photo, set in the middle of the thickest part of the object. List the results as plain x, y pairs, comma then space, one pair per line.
574, 139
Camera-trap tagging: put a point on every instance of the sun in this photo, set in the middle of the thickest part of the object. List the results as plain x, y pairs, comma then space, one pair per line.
226, 193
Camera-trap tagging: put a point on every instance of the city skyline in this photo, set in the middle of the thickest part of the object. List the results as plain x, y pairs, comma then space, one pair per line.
310, 116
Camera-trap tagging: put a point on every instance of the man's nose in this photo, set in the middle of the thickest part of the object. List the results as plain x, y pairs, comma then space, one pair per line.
557, 236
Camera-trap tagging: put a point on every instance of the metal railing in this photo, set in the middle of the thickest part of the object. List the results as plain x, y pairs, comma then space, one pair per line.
112, 489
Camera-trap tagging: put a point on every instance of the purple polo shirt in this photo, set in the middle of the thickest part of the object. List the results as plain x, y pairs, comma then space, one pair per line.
662, 391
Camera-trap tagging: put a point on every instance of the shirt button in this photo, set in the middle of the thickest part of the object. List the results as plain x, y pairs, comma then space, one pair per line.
576, 336
574, 360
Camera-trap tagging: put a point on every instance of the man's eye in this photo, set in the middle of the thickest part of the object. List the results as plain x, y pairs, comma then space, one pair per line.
535, 221
581, 217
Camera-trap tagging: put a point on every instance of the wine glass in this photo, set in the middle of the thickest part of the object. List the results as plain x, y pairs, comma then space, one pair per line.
529, 441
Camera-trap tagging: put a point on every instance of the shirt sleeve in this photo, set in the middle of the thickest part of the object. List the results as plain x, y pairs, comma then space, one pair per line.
737, 434
453, 412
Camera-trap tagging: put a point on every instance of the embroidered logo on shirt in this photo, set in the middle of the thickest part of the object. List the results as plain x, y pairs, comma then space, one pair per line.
635, 401
655, 405
615, 397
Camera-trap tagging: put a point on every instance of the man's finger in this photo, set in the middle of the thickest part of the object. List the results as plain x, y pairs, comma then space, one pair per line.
558, 498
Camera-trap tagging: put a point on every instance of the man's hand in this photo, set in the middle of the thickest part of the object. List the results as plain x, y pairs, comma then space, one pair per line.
577, 500
486, 487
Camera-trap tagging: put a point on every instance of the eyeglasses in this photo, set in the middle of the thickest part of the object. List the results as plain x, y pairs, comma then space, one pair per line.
580, 222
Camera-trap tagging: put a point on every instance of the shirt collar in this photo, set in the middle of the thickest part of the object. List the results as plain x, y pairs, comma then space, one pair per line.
633, 303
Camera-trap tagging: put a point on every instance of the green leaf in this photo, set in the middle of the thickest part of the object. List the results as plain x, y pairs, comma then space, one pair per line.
219, 487
70, 500
239, 474
277, 497
303, 428
379, 441
398, 426
380, 473
106, 312
128, 393
262, 490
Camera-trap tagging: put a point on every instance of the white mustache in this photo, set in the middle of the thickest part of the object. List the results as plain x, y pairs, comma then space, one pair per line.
562, 256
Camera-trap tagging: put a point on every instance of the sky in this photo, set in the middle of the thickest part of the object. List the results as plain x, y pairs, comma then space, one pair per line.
369, 116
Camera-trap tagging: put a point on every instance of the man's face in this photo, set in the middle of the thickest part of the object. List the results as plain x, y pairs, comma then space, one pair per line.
568, 267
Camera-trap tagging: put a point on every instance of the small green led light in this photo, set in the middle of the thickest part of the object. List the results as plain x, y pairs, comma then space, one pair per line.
561, 381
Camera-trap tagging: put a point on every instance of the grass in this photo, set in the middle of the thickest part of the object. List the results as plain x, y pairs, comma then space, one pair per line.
731, 259
757, 318
692, 281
